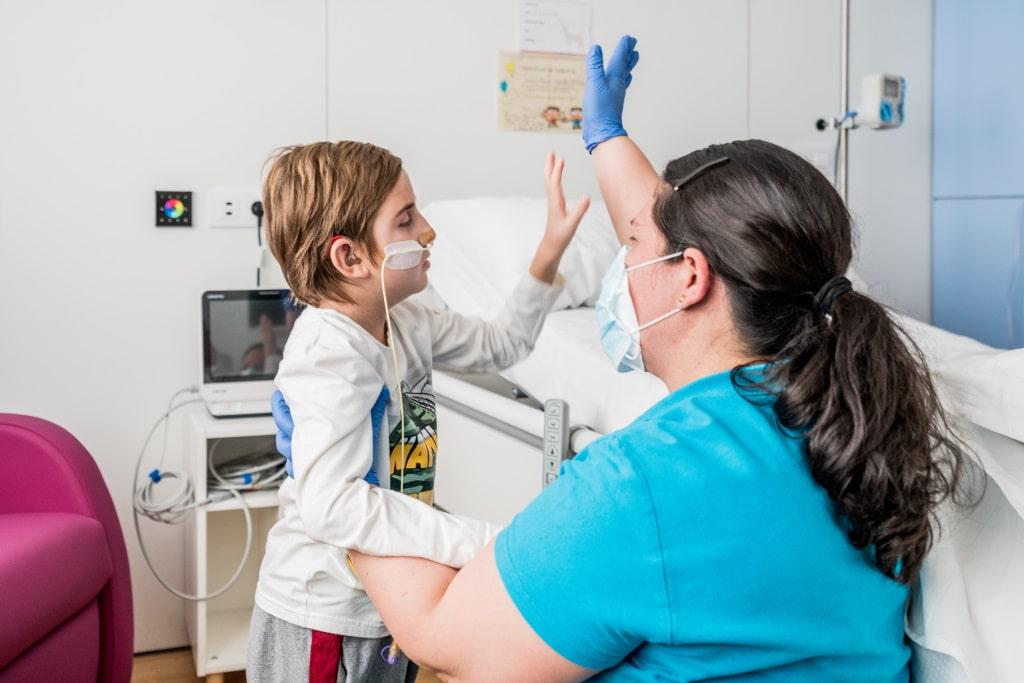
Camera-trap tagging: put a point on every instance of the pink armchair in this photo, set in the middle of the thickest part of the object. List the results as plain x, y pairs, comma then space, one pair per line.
65, 592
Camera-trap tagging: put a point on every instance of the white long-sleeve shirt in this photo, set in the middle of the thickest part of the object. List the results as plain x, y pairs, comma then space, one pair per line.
331, 375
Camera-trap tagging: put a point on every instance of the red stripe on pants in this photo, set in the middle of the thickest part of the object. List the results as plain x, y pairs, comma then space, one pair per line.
324, 657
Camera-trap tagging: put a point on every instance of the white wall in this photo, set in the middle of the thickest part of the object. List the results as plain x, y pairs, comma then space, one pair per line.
794, 79
100, 313
890, 171
105, 102
436, 105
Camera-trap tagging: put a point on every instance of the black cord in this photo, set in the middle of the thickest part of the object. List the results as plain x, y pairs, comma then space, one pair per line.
257, 210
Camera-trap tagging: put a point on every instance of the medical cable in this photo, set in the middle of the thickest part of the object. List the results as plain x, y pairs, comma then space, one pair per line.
838, 123
175, 508
392, 649
398, 381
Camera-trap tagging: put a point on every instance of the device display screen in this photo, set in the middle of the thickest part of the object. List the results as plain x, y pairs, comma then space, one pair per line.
892, 88
244, 333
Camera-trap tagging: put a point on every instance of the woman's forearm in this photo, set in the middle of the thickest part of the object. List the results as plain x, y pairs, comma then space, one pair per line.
627, 180
463, 625
406, 592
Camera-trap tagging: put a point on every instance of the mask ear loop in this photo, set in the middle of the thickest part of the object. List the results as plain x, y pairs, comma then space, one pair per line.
671, 313
657, 320
666, 257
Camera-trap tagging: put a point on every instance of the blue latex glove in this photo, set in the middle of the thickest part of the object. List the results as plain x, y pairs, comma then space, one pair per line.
285, 426
283, 421
605, 92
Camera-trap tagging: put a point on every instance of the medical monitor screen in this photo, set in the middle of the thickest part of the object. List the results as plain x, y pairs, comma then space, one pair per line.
244, 333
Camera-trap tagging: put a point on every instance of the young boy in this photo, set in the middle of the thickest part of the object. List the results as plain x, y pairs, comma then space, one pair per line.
335, 211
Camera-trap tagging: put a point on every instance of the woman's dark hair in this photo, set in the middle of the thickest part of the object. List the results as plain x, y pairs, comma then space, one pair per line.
846, 377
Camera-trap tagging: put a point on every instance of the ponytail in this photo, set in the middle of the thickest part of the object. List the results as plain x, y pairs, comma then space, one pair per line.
877, 439
842, 373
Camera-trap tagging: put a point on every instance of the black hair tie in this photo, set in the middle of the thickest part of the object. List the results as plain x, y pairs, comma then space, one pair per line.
829, 292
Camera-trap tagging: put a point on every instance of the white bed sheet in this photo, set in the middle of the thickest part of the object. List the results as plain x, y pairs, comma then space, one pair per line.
568, 363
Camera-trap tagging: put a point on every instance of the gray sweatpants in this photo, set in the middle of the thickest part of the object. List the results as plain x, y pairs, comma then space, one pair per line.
281, 652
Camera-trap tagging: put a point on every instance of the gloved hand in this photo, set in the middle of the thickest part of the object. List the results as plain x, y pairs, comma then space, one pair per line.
606, 91
283, 421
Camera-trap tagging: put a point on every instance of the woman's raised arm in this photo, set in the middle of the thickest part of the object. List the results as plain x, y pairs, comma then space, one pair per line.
627, 179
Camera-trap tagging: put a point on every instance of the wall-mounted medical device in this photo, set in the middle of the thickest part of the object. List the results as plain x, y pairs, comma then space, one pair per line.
881, 101
881, 104
882, 98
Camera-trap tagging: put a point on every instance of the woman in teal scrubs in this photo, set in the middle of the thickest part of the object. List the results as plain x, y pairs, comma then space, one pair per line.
762, 522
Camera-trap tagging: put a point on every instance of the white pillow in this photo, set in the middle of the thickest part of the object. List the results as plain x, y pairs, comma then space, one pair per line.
484, 246
983, 384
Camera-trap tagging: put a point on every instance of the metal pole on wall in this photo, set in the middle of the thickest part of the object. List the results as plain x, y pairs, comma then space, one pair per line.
842, 180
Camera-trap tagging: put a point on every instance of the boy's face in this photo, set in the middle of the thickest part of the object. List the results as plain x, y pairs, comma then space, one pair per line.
399, 220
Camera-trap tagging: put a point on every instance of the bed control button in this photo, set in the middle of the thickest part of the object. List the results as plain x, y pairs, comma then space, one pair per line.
556, 438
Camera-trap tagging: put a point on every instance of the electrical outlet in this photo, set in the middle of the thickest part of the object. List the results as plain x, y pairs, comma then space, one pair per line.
232, 208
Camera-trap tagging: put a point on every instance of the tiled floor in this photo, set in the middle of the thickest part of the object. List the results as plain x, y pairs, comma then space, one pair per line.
175, 666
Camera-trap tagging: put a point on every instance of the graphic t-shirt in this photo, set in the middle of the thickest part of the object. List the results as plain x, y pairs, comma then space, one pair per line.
416, 441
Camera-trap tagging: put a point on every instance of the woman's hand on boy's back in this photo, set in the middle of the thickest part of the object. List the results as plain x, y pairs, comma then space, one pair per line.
562, 223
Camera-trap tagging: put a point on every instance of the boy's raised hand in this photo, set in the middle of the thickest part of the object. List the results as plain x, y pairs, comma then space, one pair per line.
561, 226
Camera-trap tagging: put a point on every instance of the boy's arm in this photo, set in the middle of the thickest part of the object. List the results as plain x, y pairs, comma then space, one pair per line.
330, 393
469, 343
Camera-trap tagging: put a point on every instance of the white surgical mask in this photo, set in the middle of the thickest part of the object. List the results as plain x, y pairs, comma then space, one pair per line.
616, 315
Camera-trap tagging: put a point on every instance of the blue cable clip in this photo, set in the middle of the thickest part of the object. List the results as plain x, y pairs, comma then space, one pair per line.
246, 478
155, 475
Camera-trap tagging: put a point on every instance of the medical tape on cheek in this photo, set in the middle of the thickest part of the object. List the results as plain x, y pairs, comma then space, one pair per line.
403, 255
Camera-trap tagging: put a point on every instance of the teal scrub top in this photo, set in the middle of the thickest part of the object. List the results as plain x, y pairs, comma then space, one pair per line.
695, 545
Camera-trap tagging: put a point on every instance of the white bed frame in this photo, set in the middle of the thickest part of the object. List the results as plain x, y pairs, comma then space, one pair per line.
483, 418
488, 426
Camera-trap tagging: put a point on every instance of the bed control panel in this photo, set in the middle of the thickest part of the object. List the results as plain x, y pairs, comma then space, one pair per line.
556, 438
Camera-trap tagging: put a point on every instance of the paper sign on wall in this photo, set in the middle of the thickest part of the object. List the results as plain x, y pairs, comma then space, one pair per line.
540, 92
554, 26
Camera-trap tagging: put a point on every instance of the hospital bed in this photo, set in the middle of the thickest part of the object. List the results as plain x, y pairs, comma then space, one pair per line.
966, 619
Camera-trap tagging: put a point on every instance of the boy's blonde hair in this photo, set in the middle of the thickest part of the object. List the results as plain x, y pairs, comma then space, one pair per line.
315, 192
